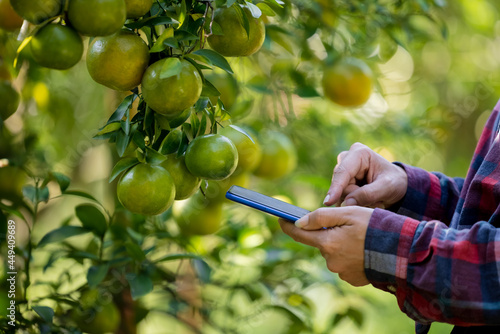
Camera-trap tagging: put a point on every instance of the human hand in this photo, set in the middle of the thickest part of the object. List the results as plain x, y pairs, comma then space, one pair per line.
363, 177
342, 244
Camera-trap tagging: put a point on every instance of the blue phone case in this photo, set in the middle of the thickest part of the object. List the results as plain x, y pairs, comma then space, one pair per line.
265, 203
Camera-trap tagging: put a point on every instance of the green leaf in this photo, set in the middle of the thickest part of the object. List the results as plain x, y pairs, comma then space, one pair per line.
151, 22
135, 251
12, 210
121, 166
171, 142
242, 18
237, 128
108, 128
62, 233
203, 270
203, 125
254, 10
92, 218
80, 194
62, 180
266, 9
173, 257
159, 44
209, 89
96, 274
140, 285
356, 316
45, 312
153, 157
122, 108
36, 195
214, 58
171, 67
122, 141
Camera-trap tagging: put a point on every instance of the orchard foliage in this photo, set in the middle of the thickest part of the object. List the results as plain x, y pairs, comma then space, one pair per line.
282, 86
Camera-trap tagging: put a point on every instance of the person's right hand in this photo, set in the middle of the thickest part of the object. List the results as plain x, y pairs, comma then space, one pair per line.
363, 177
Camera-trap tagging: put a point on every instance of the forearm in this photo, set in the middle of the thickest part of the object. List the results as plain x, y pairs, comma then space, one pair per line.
437, 273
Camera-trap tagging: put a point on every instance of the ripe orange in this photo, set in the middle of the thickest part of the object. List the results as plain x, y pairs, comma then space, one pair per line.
235, 42
348, 82
249, 152
9, 19
118, 61
37, 11
279, 156
57, 46
172, 95
146, 189
186, 184
137, 8
212, 157
10, 99
97, 17
197, 215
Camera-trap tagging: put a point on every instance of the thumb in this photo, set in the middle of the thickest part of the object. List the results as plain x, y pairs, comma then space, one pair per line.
322, 218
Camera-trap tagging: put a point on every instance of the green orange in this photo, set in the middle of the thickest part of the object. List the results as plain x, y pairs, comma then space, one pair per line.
57, 46
198, 216
96, 314
279, 156
348, 82
118, 61
171, 95
227, 85
12, 179
97, 17
249, 152
235, 41
186, 184
137, 8
10, 99
211, 157
9, 19
37, 11
146, 189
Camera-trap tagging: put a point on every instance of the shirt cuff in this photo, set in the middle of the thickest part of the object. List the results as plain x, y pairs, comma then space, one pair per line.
388, 242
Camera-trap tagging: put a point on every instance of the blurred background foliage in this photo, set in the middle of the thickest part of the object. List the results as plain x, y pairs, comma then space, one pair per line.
437, 79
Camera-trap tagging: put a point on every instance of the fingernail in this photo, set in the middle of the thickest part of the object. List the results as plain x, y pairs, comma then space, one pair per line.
302, 222
327, 198
349, 202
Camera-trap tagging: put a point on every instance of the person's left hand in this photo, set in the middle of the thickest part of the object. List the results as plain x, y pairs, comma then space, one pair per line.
342, 244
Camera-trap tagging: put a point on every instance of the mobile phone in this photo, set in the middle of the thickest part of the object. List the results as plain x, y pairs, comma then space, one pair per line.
265, 203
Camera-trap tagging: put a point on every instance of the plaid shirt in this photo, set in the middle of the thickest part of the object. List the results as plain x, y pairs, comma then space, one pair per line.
440, 253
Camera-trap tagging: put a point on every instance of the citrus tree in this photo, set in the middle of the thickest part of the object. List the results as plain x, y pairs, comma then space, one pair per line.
170, 102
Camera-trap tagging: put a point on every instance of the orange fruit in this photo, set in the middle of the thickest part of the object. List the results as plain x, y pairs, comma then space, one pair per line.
96, 314
10, 100
146, 189
349, 82
137, 8
12, 179
37, 11
197, 215
211, 157
97, 17
9, 19
279, 156
249, 152
172, 95
186, 184
118, 61
235, 41
57, 46
227, 85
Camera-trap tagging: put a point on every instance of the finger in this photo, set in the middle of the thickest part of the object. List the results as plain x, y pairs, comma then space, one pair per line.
367, 195
345, 172
322, 217
311, 238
